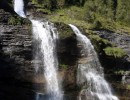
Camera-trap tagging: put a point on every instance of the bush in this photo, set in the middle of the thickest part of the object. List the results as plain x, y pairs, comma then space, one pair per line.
115, 52
49, 4
99, 42
64, 66
123, 11
13, 21
16, 20
97, 24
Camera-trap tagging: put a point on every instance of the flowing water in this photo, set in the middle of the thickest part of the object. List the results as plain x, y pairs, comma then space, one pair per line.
90, 73
19, 8
46, 34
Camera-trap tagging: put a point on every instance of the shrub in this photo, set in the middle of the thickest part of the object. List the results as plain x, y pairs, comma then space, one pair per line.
98, 39
115, 52
12, 21
64, 66
97, 24
16, 20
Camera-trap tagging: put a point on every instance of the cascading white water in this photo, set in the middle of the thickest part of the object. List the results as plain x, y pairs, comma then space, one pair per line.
46, 34
19, 8
90, 73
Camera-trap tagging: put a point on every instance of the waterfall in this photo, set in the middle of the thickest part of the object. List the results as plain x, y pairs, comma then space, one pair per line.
90, 73
46, 34
19, 8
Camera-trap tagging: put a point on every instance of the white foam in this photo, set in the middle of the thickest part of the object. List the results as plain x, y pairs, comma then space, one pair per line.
19, 8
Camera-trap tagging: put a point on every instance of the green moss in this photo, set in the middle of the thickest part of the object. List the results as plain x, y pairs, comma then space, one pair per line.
120, 72
115, 52
99, 43
44, 10
98, 39
71, 15
64, 66
48, 4
128, 87
53, 4
64, 30
13, 21
76, 15
16, 20
89, 14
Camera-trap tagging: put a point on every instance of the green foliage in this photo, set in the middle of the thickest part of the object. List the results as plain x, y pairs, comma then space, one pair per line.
123, 11
107, 14
104, 8
120, 72
97, 24
89, 8
49, 4
75, 2
16, 20
73, 15
44, 10
115, 52
64, 30
128, 86
114, 10
64, 66
99, 40
54, 4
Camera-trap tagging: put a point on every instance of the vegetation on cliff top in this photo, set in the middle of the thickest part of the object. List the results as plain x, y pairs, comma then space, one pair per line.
94, 14
114, 51
88, 14
16, 20
111, 14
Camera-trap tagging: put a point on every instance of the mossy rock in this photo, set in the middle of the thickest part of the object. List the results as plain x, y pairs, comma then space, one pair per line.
99, 39
16, 20
64, 30
115, 52
98, 42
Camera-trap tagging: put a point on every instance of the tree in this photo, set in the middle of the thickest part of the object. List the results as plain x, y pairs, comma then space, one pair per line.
123, 11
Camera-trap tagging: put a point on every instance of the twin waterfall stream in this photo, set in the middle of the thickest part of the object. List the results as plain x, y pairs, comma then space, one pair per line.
47, 36
89, 74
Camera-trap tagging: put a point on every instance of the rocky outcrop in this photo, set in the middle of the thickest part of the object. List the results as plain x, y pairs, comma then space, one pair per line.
117, 69
121, 40
15, 57
16, 42
17, 71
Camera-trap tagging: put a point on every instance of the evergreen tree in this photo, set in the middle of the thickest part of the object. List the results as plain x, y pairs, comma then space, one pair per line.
123, 11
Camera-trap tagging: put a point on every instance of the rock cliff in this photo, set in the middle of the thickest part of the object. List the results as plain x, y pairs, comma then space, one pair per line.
18, 78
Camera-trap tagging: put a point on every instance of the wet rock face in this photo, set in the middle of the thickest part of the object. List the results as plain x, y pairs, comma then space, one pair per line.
120, 40
68, 55
17, 62
15, 59
15, 45
111, 65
